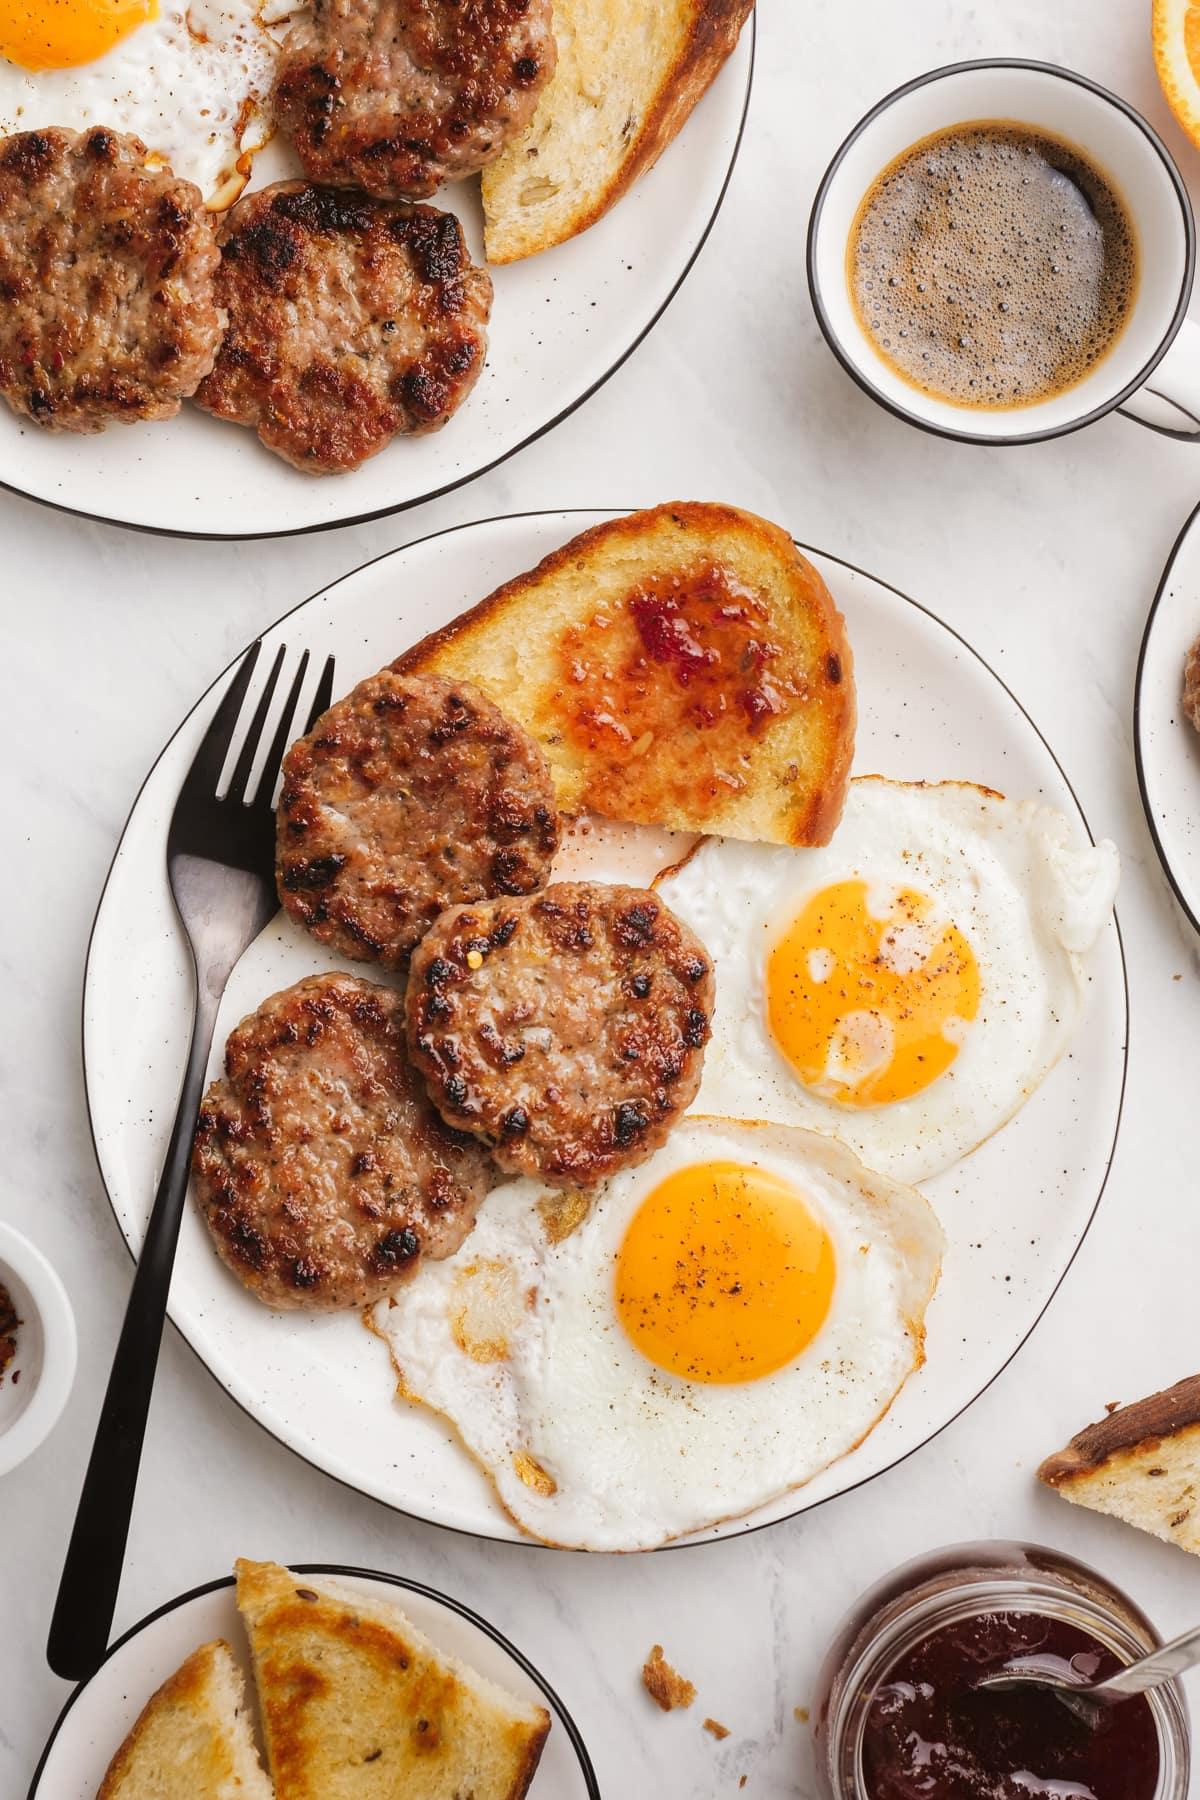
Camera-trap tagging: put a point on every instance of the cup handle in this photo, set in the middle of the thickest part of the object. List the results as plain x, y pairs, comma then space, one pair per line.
1170, 400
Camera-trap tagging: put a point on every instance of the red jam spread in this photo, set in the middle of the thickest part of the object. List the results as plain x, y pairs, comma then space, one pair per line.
932, 1734
667, 684
9, 1324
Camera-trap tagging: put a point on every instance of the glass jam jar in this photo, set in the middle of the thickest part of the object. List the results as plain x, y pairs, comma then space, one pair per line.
915, 1644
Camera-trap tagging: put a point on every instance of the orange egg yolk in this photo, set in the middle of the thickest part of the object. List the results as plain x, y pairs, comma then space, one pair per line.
867, 997
724, 1274
60, 34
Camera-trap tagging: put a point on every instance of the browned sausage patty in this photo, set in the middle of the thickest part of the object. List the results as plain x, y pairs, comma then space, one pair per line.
395, 96
410, 794
350, 320
321, 1169
567, 1030
1191, 685
107, 306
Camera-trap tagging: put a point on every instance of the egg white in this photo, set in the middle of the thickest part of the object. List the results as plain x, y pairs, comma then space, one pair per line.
194, 84
638, 1455
1028, 897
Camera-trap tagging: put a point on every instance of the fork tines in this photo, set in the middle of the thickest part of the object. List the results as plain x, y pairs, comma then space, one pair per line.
205, 773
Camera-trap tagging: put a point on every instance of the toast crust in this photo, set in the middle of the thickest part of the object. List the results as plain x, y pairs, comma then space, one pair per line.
1141, 1465
711, 37
796, 770
1141, 1426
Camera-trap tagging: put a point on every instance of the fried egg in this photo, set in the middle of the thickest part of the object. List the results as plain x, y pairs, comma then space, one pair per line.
191, 80
907, 986
724, 1322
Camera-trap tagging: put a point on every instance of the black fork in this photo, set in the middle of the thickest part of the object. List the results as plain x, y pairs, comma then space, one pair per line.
220, 864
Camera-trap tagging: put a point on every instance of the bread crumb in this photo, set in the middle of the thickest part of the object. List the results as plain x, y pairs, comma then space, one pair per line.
801, 1713
718, 1730
665, 1686
1112, 1406
742, 1782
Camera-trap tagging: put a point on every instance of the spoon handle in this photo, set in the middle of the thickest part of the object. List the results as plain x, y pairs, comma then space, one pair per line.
1181, 1653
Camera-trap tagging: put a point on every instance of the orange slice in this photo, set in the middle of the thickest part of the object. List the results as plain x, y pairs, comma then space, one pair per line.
1175, 28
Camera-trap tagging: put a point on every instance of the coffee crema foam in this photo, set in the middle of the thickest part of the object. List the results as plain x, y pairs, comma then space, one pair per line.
992, 265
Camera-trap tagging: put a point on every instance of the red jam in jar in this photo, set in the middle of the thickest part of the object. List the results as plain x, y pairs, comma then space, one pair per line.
899, 1712
932, 1733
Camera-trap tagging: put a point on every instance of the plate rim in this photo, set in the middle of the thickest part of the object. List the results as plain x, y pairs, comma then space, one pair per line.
188, 535
695, 1543
339, 1571
1189, 911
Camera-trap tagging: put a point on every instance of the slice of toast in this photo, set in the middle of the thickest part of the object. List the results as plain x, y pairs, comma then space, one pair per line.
1140, 1464
192, 1740
629, 73
357, 1705
684, 667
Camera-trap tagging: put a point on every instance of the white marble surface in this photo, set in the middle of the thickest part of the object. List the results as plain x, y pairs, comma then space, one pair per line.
1046, 558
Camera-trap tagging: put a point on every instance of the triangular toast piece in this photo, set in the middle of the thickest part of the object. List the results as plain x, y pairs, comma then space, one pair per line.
192, 1740
629, 73
1140, 1464
684, 666
357, 1704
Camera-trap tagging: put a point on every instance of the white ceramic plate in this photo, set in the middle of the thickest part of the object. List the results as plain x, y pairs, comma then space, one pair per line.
562, 323
99, 1713
1015, 1211
36, 1386
1165, 744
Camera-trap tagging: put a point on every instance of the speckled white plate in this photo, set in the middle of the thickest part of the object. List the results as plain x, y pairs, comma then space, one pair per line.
562, 323
1165, 744
99, 1713
1015, 1212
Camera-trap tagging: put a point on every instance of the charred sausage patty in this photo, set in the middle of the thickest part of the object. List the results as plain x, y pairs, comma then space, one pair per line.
410, 794
350, 320
322, 1171
107, 304
396, 96
566, 1030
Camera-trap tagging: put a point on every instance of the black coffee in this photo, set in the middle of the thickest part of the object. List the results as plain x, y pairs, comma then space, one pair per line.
992, 265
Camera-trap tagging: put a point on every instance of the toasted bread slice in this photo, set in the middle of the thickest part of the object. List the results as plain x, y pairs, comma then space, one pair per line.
1140, 1464
629, 73
358, 1705
193, 1739
684, 666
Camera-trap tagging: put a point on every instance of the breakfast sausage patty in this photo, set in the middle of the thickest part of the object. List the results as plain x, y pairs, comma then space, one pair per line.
321, 1169
350, 320
410, 794
567, 1030
396, 96
1191, 685
107, 307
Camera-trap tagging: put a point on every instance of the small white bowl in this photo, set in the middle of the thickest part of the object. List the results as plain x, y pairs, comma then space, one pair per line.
31, 1406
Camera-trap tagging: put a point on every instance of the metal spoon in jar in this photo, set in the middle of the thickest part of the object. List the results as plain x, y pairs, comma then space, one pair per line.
1090, 1700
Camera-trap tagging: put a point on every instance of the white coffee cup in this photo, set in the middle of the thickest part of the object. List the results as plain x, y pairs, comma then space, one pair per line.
1152, 370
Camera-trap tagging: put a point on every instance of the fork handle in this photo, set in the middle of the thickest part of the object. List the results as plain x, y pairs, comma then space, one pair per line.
91, 1577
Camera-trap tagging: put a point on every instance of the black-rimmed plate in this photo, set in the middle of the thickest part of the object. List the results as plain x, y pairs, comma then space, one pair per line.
1166, 745
1015, 1212
562, 323
96, 1718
